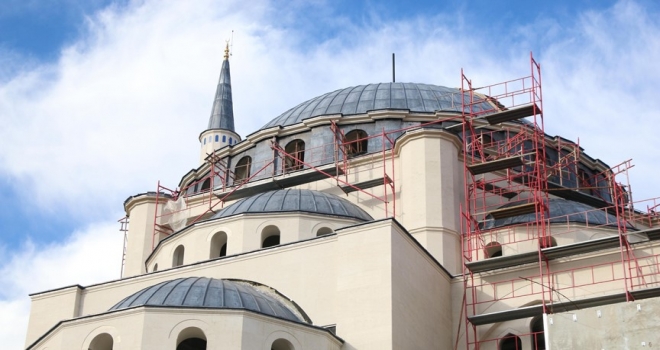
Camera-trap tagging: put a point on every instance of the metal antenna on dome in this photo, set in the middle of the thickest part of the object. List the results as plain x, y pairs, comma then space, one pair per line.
393, 68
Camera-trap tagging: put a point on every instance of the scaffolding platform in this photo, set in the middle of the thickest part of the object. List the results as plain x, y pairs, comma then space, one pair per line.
575, 195
568, 193
550, 253
366, 184
513, 114
278, 182
498, 164
500, 191
515, 210
564, 306
557, 252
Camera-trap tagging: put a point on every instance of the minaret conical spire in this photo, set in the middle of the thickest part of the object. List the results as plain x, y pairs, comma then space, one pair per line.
222, 114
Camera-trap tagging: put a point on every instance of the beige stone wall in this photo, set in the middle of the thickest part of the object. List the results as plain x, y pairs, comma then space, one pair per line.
430, 201
421, 298
629, 325
344, 279
49, 308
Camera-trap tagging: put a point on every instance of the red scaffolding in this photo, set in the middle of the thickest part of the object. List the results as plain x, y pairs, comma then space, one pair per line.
497, 170
508, 173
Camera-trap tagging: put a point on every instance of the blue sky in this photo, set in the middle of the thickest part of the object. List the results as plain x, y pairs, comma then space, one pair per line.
101, 99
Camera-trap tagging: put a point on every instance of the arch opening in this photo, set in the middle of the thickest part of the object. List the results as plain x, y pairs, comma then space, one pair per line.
206, 185
547, 242
356, 143
242, 169
296, 149
493, 249
282, 344
323, 231
510, 342
270, 236
218, 245
177, 257
155, 268
191, 338
102, 341
538, 333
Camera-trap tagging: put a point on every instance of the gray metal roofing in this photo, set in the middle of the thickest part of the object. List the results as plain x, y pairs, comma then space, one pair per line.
288, 200
363, 98
560, 211
202, 292
222, 113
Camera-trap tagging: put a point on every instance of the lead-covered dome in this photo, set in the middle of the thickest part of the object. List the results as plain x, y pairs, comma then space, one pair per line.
211, 293
295, 200
360, 99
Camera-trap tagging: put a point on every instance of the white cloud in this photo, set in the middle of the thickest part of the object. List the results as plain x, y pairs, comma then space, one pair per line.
601, 86
88, 256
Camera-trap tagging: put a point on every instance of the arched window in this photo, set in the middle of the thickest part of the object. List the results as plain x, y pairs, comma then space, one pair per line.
242, 169
538, 337
585, 181
510, 342
218, 245
270, 236
155, 268
177, 257
217, 137
282, 344
206, 185
191, 338
493, 250
547, 242
224, 138
102, 341
356, 143
323, 231
295, 149
486, 140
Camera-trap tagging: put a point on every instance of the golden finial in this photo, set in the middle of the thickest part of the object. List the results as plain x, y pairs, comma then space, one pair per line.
227, 50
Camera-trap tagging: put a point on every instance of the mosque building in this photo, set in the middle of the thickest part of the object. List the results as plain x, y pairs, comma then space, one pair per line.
378, 216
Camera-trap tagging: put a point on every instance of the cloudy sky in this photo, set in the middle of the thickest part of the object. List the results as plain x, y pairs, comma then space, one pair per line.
101, 99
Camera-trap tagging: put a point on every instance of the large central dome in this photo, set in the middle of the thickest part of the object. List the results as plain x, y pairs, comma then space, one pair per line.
360, 99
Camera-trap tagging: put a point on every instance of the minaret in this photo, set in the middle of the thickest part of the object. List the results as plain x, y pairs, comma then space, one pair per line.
220, 131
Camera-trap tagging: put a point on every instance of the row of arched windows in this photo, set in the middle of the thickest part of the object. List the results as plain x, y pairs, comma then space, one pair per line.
270, 237
191, 338
494, 248
355, 144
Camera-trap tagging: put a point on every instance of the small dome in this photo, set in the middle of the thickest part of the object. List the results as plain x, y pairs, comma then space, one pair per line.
561, 211
202, 292
290, 200
360, 99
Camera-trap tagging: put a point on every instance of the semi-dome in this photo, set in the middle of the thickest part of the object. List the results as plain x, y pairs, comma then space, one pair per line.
360, 99
561, 211
211, 293
292, 200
